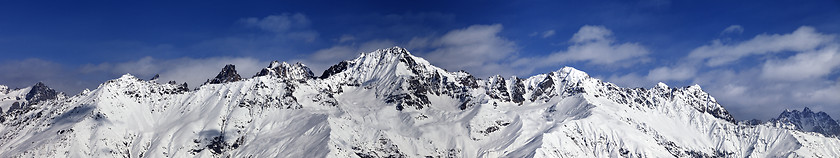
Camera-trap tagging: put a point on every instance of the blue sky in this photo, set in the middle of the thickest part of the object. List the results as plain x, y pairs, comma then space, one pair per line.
756, 57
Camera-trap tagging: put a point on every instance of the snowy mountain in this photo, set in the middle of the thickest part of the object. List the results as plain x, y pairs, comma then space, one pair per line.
389, 103
808, 121
20, 99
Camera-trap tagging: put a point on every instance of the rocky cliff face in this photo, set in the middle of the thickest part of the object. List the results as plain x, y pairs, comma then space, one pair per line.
228, 74
40, 92
390, 103
24, 99
808, 121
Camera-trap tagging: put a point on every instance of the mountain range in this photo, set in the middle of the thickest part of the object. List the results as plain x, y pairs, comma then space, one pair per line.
390, 103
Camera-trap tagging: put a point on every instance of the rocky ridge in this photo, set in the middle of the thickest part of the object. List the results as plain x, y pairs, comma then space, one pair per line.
807, 121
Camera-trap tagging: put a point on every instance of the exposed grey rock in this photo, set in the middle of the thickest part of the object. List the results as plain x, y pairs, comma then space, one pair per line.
228, 74
40, 92
807, 121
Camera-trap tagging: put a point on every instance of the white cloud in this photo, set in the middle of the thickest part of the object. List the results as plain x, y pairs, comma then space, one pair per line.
594, 45
548, 33
803, 39
27, 72
418, 43
294, 26
375, 45
346, 38
590, 33
805, 65
733, 90
824, 96
477, 48
604, 53
480, 50
335, 53
667, 73
629, 80
736, 29
544, 34
279, 23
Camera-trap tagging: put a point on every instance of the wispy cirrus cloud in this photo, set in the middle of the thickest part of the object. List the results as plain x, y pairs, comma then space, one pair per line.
718, 53
544, 34
478, 48
803, 65
27, 72
733, 29
593, 45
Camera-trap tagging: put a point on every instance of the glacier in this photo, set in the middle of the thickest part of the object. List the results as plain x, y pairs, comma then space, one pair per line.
388, 103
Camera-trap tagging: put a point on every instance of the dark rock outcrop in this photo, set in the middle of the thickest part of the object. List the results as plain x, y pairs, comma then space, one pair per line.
808, 121
334, 69
40, 92
228, 74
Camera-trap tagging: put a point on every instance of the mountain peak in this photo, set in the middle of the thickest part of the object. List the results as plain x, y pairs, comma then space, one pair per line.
383, 62
4, 89
572, 73
391, 55
808, 121
275, 64
393, 50
127, 76
40, 92
228, 74
124, 79
695, 87
403, 79
661, 85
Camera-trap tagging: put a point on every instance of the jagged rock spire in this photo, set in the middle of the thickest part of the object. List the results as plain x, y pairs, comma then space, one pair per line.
228, 74
40, 92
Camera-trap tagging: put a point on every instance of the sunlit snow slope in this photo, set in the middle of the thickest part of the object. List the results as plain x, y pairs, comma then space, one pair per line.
389, 103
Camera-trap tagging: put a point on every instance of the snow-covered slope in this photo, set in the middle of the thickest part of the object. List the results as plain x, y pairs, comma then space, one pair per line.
389, 103
21, 98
